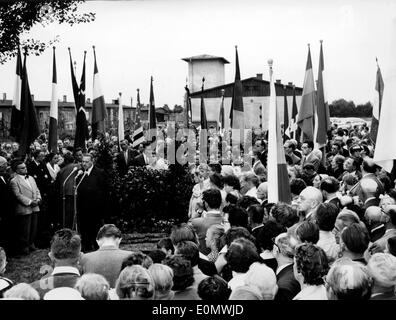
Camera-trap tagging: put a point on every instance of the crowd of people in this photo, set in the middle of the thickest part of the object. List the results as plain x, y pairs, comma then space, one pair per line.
335, 240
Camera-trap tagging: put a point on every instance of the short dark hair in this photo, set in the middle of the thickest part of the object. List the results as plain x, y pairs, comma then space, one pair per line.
183, 232
369, 166
183, 274
267, 234
241, 254
238, 217
284, 214
326, 216
107, 231
247, 201
216, 167
308, 231
231, 198
157, 255
137, 257
356, 238
235, 233
167, 244
214, 288
330, 185
189, 250
65, 244
312, 263
392, 246
232, 181
256, 213
216, 179
297, 185
212, 197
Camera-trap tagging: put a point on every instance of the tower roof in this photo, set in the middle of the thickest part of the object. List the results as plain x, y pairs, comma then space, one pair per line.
205, 57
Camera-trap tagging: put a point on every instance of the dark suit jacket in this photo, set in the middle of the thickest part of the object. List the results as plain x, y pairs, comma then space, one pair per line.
122, 164
263, 158
311, 158
288, 286
139, 161
55, 281
92, 196
336, 202
207, 267
371, 202
41, 175
377, 233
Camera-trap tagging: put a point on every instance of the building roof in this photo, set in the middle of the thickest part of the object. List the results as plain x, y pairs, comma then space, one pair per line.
205, 57
255, 87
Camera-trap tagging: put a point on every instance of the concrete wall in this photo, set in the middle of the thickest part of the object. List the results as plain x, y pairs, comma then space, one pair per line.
211, 70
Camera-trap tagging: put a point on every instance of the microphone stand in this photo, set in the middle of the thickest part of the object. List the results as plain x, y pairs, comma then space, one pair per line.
64, 197
75, 187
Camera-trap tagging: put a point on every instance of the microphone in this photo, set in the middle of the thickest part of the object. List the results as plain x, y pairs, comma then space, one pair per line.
80, 172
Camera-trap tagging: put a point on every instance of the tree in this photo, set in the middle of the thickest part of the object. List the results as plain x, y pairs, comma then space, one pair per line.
18, 17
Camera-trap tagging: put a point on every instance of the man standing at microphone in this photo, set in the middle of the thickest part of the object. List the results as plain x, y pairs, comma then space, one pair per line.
92, 201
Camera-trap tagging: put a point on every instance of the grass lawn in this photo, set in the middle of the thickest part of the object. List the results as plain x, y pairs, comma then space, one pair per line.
27, 268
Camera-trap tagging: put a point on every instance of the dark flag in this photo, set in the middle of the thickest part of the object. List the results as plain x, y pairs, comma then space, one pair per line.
152, 133
16, 117
98, 104
53, 125
203, 134
74, 83
221, 115
236, 114
294, 128
30, 128
187, 106
81, 134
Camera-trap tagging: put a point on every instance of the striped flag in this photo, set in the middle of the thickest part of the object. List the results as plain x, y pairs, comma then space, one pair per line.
379, 92
29, 118
53, 125
323, 115
152, 132
221, 115
285, 114
278, 179
81, 134
236, 114
203, 133
15, 129
98, 104
305, 118
121, 131
138, 136
385, 149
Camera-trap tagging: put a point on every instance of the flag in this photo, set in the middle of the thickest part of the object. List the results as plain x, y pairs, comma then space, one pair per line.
74, 83
81, 134
152, 132
379, 91
236, 114
323, 115
293, 122
221, 115
203, 133
121, 132
278, 179
138, 136
385, 149
53, 125
285, 113
15, 128
30, 128
187, 106
305, 118
98, 104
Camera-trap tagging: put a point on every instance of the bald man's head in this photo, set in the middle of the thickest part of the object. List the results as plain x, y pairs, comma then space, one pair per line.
309, 199
369, 187
262, 191
374, 215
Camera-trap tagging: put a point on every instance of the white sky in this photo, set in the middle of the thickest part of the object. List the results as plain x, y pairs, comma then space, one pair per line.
137, 39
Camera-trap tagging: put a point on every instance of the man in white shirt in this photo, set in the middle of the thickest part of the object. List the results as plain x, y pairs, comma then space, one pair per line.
308, 201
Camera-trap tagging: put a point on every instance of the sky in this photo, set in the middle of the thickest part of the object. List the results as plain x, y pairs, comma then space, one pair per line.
138, 39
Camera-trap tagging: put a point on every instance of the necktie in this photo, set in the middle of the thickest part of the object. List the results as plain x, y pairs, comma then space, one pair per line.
126, 156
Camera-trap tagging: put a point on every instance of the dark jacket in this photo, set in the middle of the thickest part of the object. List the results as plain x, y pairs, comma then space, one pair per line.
288, 286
